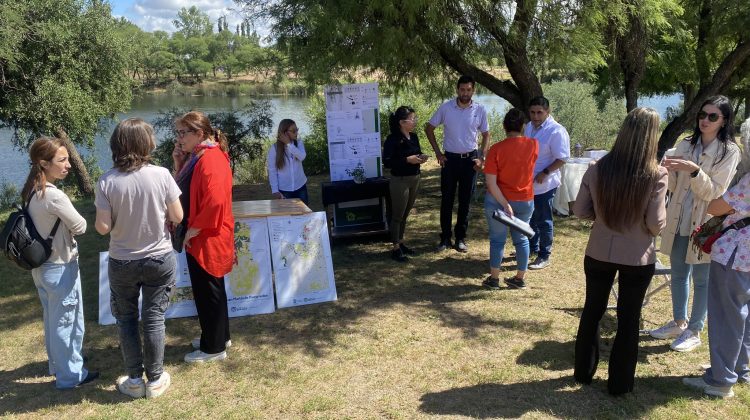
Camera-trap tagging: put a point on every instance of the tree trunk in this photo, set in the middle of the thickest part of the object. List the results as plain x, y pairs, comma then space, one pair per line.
83, 180
747, 105
631, 54
722, 79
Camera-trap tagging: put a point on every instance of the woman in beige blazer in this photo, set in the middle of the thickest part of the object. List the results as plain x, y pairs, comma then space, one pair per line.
624, 194
699, 171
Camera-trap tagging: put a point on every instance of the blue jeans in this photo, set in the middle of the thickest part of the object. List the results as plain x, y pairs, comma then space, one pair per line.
300, 193
728, 325
155, 278
541, 222
59, 287
499, 232
681, 285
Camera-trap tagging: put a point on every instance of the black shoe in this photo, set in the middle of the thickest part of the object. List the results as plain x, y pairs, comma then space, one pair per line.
515, 283
399, 256
90, 377
461, 246
406, 250
443, 245
491, 283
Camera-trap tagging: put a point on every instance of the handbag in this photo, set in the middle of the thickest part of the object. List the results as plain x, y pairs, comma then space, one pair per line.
178, 236
704, 236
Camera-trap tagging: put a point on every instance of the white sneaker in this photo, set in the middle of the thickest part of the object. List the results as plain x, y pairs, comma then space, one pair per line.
200, 357
135, 388
687, 341
158, 387
670, 330
196, 343
716, 391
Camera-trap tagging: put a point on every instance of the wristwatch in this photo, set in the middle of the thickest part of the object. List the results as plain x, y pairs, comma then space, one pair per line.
546, 171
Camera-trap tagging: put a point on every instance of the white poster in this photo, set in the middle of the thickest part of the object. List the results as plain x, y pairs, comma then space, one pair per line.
250, 284
353, 128
302, 261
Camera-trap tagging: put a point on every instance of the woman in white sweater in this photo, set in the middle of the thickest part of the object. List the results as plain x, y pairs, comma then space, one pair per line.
285, 172
58, 280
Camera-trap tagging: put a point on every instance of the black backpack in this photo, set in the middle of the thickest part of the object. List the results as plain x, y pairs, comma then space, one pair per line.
22, 243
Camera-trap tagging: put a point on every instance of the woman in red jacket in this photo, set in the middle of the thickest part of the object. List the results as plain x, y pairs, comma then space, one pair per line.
203, 173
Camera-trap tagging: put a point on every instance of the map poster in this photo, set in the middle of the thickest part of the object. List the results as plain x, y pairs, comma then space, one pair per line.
302, 261
250, 284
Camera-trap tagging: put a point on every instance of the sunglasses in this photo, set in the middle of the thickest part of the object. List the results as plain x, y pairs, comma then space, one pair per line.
713, 117
181, 133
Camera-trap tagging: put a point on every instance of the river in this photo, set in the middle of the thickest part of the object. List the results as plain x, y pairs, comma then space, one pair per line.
14, 165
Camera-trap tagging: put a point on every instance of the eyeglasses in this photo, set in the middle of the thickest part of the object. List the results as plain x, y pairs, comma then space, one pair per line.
713, 117
411, 120
291, 131
181, 133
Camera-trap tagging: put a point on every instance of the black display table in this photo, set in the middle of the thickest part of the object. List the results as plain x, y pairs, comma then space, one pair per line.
336, 192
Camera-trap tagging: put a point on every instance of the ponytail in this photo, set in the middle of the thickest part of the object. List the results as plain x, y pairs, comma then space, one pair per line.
395, 118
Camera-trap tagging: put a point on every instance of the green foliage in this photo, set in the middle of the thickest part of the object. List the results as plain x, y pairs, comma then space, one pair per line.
65, 65
9, 195
245, 129
316, 142
572, 104
192, 22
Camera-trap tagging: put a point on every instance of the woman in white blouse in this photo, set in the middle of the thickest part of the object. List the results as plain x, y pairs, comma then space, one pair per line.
58, 281
285, 172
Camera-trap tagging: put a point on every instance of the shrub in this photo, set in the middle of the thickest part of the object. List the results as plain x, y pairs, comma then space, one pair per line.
9, 195
573, 105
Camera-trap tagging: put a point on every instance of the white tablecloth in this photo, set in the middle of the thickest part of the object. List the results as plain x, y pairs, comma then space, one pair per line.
571, 176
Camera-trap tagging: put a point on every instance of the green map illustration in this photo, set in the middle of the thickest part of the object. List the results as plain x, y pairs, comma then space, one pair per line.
244, 278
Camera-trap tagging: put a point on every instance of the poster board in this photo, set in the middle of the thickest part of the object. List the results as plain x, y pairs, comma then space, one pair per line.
353, 129
301, 255
249, 286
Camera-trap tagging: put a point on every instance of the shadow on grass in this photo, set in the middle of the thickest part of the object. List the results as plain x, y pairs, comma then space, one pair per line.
554, 397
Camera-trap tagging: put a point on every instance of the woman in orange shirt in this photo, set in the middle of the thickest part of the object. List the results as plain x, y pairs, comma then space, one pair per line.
509, 173
205, 179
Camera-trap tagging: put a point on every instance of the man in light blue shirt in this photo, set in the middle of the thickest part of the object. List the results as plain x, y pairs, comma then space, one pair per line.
554, 149
462, 120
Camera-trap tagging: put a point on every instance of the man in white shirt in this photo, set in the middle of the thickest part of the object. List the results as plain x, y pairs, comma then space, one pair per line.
462, 119
554, 149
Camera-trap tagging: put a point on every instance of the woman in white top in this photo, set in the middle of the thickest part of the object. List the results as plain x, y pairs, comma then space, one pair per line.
58, 280
285, 172
699, 171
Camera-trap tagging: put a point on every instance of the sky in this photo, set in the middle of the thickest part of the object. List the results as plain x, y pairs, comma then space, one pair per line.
157, 15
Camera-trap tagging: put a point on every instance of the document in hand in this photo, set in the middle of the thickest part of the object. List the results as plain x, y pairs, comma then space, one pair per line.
513, 222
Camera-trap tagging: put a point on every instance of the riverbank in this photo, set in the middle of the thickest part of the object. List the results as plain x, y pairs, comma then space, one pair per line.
220, 86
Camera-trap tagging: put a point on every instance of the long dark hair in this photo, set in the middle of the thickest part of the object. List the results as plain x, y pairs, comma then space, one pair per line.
628, 172
394, 120
726, 132
280, 146
43, 149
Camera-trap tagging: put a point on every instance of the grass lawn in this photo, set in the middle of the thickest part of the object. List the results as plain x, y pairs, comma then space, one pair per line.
404, 340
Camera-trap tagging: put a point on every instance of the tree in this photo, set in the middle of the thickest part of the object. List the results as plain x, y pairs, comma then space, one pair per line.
62, 70
192, 22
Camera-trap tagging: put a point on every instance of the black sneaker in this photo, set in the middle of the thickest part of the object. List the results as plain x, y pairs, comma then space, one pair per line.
90, 377
443, 245
399, 256
461, 246
515, 283
405, 249
491, 283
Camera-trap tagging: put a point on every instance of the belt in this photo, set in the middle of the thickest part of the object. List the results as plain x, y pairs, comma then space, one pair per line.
467, 155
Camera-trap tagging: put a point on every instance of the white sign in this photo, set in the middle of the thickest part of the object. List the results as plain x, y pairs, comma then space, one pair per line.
302, 261
353, 128
250, 284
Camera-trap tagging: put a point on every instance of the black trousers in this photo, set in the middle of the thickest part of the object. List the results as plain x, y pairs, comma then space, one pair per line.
211, 302
457, 172
632, 283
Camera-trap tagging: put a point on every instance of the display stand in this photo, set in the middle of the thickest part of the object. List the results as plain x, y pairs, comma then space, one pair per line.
357, 209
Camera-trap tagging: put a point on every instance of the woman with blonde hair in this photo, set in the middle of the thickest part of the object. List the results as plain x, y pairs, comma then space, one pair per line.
58, 280
285, 157
134, 202
201, 165
624, 194
700, 170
